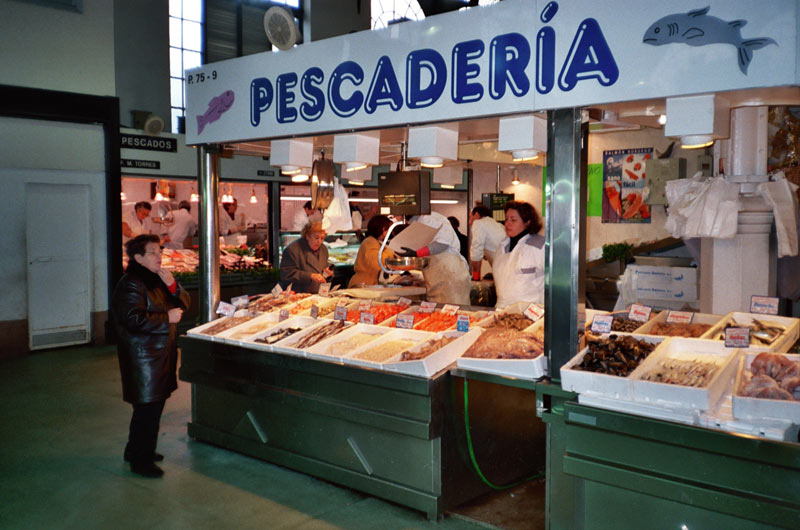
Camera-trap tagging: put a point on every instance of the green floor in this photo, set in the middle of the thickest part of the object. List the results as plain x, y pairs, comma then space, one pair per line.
63, 426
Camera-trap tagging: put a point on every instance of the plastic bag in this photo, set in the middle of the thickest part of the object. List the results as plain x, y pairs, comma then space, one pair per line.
781, 195
702, 207
337, 217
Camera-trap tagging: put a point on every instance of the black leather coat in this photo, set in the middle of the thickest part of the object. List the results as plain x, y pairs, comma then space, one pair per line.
148, 347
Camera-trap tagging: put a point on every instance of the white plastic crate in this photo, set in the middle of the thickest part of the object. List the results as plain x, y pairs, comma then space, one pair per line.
756, 409
782, 343
585, 382
699, 318
535, 368
280, 346
246, 330
680, 396
327, 350
394, 334
438, 360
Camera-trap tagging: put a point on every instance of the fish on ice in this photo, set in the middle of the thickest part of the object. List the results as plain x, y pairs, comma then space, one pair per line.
697, 28
216, 107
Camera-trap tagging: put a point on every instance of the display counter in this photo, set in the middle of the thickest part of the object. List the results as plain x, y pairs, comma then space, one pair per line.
391, 435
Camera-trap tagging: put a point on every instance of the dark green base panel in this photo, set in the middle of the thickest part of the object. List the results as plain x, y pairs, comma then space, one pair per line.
396, 437
631, 472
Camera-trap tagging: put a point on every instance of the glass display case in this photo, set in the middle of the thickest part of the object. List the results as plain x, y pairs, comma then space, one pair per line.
342, 246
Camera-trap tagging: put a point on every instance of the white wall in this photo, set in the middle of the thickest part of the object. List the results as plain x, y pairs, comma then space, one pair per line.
57, 49
54, 153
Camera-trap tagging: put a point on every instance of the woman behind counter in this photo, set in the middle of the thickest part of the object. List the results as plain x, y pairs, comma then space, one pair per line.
146, 307
367, 268
518, 266
304, 263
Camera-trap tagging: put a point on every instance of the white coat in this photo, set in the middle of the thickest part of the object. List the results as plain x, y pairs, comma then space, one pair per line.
519, 274
183, 225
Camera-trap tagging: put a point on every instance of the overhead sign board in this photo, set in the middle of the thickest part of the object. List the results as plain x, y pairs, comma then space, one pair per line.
512, 57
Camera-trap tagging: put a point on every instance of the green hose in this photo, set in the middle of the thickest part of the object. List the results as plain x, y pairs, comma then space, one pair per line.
472, 453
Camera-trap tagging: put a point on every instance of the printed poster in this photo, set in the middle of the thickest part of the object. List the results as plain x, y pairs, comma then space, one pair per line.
624, 185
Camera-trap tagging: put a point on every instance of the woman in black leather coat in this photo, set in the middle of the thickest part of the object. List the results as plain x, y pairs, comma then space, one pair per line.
146, 307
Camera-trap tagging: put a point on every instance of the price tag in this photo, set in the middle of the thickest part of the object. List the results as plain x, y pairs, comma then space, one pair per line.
364, 305
640, 313
737, 337
277, 290
240, 301
764, 305
462, 323
534, 312
314, 311
405, 302
680, 317
340, 312
224, 308
427, 307
602, 323
404, 322
449, 309
366, 318
283, 315
324, 288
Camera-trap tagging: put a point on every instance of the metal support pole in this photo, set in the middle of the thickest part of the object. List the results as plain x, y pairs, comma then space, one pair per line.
565, 222
208, 232
274, 220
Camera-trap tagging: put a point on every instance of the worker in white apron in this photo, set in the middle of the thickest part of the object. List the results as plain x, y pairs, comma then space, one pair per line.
518, 266
447, 277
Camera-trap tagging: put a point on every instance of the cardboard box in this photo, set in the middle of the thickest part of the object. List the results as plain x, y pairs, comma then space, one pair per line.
664, 283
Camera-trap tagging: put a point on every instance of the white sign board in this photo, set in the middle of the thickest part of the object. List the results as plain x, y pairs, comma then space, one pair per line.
513, 57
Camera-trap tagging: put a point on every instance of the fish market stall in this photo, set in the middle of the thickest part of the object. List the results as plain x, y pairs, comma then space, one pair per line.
659, 428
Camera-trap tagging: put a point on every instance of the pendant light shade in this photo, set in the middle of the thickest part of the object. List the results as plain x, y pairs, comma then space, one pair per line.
698, 120
291, 155
356, 151
525, 137
433, 145
448, 176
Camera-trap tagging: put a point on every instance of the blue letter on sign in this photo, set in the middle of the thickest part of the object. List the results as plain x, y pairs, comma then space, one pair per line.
346, 71
285, 113
545, 60
260, 98
508, 58
384, 89
432, 63
312, 109
463, 71
589, 57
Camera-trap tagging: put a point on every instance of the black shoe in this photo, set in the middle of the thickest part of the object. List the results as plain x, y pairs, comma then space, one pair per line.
157, 457
148, 469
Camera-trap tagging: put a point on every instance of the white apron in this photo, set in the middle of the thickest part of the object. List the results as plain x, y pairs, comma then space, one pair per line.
519, 274
447, 279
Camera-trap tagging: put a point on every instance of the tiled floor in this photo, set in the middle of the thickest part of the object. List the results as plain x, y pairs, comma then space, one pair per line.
63, 426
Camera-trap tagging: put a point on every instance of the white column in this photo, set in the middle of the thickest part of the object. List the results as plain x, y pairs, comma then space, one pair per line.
732, 270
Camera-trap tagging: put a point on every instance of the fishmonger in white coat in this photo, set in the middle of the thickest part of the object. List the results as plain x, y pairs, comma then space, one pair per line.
518, 266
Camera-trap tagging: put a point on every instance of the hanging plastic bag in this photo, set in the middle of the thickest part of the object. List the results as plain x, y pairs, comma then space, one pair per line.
702, 208
782, 196
337, 217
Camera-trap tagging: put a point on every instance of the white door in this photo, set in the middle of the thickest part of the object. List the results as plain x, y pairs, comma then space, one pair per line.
59, 257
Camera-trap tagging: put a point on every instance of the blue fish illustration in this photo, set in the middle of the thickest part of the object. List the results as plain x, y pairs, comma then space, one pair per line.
216, 107
696, 28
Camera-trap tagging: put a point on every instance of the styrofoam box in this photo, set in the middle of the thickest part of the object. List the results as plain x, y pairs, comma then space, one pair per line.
289, 343
782, 343
198, 332
672, 395
750, 408
294, 322
313, 299
699, 318
584, 382
515, 308
535, 368
394, 334
321, 350
247, 329
722, 418
438, 360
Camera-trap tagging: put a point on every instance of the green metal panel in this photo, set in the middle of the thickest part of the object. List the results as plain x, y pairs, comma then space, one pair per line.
717, 476
355, 446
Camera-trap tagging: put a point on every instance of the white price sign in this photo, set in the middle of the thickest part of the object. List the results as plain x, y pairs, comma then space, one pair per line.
240, 301
640, 313
283, 315
449, 309
403, 301
366, 318
277, 290
602, 323
737, 337
340, 312
226, 309
314, 311
404, 322
534, 312
764, 305
427, 307
324, 288
680, 317
364, 305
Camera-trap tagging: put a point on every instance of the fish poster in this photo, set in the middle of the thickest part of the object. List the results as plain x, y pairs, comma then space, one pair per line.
625, 185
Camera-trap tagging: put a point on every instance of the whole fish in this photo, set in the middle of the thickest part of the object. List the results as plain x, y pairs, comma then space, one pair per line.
216, 107
696, 28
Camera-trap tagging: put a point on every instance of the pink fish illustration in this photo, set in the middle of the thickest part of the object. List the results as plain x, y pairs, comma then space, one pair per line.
216, 107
